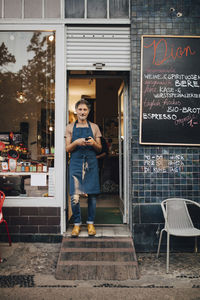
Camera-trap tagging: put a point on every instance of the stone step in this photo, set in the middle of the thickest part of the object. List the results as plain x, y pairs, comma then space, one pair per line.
94, 254
97, 259
97, 242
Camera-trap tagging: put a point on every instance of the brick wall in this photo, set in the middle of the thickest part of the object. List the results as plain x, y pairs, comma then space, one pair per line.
149, 189
31, 223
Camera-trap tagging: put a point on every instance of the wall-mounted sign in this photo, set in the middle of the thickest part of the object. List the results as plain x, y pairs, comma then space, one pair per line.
170, 90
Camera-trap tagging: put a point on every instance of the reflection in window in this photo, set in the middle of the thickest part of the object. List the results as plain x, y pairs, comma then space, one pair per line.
119, 8
27, 97
74, 8
97, 9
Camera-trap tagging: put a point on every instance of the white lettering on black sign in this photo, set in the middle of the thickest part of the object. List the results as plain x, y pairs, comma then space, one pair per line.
170, 94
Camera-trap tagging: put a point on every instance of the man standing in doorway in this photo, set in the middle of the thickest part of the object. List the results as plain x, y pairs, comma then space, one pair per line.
82, 141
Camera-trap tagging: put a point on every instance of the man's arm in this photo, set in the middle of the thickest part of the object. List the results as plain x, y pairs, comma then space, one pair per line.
70, 146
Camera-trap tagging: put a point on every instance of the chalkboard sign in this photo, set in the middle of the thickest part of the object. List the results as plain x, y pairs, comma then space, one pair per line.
170, 90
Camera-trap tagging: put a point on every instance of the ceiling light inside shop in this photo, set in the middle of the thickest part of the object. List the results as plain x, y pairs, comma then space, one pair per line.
21, 98
38, 99
51, 38
12, 37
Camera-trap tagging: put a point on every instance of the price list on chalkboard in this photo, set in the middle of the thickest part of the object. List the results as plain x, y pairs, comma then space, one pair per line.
170, 90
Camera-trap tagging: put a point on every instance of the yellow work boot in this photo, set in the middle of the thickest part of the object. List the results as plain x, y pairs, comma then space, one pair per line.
91, 230
75, 231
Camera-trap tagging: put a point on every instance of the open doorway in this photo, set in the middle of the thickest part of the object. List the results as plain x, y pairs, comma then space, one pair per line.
105, 92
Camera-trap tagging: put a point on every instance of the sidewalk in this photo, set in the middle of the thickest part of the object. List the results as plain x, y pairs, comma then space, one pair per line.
29, 271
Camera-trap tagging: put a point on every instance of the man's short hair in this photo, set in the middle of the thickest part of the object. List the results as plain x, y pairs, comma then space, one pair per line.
82, 101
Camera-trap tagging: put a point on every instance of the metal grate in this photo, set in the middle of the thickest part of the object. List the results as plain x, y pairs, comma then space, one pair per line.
13, 280
94, 48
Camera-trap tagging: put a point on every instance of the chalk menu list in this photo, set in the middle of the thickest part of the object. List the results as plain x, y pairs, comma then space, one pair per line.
170, 90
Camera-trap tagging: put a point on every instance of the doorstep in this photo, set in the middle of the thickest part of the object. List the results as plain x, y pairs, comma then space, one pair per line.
115, 230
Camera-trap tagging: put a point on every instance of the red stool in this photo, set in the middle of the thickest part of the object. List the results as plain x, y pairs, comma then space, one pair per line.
2, 198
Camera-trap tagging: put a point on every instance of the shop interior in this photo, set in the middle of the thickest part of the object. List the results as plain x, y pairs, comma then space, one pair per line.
101, 91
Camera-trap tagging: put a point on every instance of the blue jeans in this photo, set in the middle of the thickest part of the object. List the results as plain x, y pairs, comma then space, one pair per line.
76, 210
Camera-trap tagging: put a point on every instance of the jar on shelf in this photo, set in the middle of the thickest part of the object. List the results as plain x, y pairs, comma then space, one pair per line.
44, 168
52, 150
27, 167
4, 166
39, 167
46, 150
19, 167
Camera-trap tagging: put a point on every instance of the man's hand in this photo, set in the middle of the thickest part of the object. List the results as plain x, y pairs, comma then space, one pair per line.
89, 141
81, 142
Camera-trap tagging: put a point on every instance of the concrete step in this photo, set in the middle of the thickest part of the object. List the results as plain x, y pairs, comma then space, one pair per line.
110, 258
103, 230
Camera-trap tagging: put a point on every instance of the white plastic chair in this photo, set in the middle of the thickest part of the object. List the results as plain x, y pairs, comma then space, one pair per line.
177, 222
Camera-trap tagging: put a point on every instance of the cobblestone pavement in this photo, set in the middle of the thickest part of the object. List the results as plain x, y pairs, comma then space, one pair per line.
33, 265
41, 258
29, 258
181, 264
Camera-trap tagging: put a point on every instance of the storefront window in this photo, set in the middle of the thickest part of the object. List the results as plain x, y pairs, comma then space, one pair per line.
119, 8
27, 99
74, 9
97, 9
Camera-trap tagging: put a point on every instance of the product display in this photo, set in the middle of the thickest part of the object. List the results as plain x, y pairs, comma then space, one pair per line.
17, 159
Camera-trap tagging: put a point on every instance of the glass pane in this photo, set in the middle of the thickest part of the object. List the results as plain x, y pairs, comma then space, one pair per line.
74, 8
0, 9
13, 9
27, 97
97, 9
119, 8
33, 9
52, 8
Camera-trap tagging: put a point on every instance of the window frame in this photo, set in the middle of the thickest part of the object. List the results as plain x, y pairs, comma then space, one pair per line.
108, 12
62, 19
60, 122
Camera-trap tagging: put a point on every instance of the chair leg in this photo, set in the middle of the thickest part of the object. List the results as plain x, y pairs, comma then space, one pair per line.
160, 239
168, 246
195, 245
10, 243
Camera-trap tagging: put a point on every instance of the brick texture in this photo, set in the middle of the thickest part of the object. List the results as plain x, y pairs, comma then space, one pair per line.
31, 220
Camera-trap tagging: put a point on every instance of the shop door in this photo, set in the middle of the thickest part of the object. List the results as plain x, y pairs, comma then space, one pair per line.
112, 203
123, 150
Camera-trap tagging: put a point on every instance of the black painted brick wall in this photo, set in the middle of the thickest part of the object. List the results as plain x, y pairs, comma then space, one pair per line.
23, 221
149, 189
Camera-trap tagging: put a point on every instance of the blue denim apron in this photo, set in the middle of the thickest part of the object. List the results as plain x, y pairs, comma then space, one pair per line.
83, 169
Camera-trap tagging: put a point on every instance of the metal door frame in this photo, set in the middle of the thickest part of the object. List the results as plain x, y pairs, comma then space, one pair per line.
124, 192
